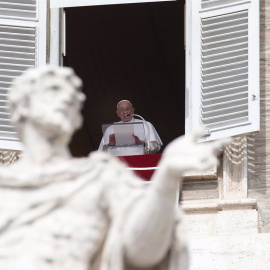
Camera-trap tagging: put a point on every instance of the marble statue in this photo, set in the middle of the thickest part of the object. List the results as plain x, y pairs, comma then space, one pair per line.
59, 212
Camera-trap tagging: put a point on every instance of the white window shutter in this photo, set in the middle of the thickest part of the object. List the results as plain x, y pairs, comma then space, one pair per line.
222, 67
22, 46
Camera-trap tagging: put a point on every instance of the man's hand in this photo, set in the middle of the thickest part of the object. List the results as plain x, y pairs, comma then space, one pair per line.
112, 139
137, 140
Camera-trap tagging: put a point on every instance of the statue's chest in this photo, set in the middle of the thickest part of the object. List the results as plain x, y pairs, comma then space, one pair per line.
79, 211
75, 205
65, 218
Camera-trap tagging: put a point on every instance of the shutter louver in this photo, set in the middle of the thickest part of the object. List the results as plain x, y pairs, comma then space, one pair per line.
207, 4
18, 9
224, 52
17, 53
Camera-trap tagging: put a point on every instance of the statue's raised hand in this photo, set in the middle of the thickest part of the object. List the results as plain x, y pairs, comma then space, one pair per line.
184, 154
156, 212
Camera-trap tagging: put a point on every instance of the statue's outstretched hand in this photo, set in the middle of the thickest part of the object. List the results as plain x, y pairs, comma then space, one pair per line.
183, 154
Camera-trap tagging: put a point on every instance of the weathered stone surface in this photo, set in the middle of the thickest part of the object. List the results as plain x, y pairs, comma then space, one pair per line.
200, 224
235, 252
262, 252
237, 222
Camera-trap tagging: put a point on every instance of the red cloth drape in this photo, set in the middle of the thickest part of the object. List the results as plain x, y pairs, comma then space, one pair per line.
142, 161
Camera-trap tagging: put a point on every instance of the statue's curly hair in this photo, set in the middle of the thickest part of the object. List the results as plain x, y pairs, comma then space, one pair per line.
24, 85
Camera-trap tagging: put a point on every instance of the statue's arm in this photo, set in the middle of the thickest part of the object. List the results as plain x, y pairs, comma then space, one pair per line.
149, 228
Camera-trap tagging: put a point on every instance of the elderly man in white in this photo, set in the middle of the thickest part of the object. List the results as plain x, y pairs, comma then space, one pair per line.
59, 212
149, 138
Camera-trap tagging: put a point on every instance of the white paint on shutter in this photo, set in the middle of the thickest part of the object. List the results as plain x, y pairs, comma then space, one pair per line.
22, 46
224, 50
18, 9
225, 64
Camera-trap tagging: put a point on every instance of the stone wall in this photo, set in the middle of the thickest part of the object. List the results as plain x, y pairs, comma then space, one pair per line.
8, 157
259, 144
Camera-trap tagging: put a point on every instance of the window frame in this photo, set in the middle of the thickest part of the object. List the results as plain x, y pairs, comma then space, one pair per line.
78, 3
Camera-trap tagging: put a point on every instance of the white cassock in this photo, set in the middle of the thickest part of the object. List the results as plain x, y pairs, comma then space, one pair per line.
155, 141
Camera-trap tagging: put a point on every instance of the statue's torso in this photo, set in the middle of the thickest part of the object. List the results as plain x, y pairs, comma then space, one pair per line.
60, 225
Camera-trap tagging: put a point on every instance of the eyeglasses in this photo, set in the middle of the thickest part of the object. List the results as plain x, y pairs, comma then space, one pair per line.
124, 109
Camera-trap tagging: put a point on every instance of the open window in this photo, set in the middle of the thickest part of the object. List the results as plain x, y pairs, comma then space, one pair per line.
22, 46
222, 61
222, 67
128, 51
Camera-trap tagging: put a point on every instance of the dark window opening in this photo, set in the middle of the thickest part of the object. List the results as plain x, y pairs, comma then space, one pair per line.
130, 51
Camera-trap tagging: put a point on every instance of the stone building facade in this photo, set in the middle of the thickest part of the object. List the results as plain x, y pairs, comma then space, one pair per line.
228, 208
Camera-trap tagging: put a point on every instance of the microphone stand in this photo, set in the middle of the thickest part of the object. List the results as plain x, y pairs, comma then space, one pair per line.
148, 133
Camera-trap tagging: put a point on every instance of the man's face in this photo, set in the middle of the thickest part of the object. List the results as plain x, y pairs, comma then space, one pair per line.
124, 108
56, 105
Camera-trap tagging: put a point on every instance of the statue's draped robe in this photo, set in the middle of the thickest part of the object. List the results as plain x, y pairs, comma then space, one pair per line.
71, 216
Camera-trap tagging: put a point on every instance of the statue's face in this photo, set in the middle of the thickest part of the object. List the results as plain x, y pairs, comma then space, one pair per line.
55, 105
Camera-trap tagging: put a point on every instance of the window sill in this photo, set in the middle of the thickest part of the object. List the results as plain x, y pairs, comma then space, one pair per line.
198, 175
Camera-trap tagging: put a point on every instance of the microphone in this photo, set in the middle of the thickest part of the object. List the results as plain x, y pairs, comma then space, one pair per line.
148, 133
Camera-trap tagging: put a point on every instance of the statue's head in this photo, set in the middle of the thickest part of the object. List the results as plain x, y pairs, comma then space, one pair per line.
48, 98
